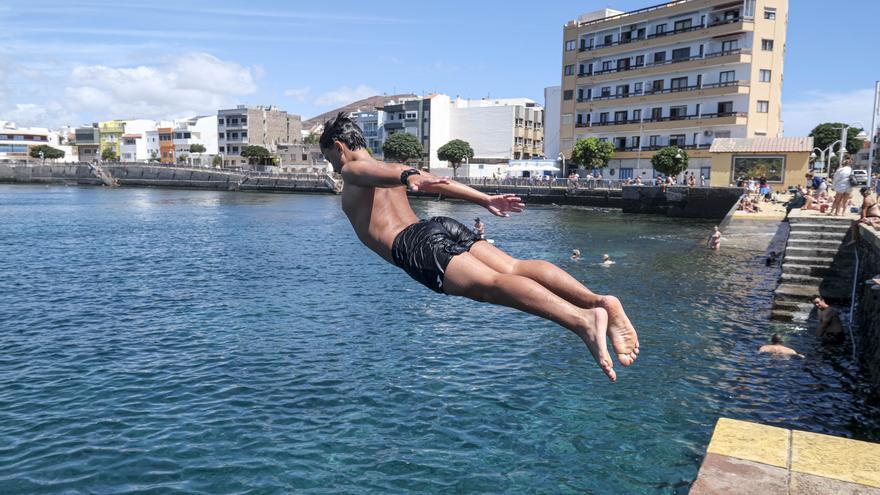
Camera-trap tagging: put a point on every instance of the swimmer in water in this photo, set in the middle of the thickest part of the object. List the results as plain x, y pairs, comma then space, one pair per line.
714, 242
575, 254
777, 349
449, 258
479, 228
606, 260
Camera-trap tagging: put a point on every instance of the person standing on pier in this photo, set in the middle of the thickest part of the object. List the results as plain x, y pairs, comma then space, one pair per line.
448, 258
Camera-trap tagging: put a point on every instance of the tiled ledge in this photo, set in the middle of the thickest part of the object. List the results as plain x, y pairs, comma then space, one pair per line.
749, 458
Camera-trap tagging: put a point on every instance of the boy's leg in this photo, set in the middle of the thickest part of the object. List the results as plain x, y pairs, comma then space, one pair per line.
467, 276
555, 279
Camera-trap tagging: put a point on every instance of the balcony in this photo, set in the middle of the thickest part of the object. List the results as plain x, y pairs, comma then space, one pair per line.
736, 56
668, 94
671, 122
718, 28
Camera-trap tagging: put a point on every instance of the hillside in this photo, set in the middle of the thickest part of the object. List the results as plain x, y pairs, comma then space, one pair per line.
366, 104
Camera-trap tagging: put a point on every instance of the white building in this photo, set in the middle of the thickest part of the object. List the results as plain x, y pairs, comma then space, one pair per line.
16, 142
371, 123
498, 130
552, 113
197, 130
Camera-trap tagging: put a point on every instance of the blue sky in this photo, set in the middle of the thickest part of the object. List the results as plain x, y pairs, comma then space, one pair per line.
70, 62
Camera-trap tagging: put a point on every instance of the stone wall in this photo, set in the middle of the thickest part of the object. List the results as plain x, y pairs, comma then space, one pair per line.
685, 202
146, 175
867, 317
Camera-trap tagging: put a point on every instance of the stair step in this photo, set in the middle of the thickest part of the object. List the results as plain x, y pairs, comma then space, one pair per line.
824, 220
786, 316
811, 251
803, 293
817, 243
793, 306
789, 278
812, 236
815, 227
811, 270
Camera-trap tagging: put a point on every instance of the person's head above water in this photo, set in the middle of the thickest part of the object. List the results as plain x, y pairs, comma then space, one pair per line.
605, 257
340, 139
775, 339
819, 302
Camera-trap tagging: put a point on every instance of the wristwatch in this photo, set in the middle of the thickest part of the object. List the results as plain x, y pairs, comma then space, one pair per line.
405, 175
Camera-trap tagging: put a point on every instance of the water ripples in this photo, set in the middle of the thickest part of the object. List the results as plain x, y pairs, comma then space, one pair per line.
200, 342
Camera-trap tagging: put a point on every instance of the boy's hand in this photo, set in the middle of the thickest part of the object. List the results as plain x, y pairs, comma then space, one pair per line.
500, 204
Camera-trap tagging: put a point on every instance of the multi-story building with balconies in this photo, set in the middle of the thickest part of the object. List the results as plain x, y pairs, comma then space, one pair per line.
260, 126
676, 74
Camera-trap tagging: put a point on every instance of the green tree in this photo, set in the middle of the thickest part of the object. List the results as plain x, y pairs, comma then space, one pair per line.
154, 156
197, 148
108, 154
825, 134
48, 152
255, 154
217, 162
591, 153
182, 158
312, 138
402, 147
670, 160
455, 152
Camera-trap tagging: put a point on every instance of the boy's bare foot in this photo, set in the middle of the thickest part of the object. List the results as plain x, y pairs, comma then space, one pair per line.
595, 326
621, 332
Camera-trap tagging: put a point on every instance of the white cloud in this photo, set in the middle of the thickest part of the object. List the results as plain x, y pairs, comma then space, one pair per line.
814, 107
189, 84
345, 95
298, 94
51, 114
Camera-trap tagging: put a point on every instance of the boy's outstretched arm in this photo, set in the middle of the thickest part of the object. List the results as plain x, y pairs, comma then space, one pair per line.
498, 204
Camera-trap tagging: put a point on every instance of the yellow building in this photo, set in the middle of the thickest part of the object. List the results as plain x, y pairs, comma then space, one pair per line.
680, 74
110, 135
783, 161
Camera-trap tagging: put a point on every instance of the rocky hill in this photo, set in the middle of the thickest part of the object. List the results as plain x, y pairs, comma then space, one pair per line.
366, 104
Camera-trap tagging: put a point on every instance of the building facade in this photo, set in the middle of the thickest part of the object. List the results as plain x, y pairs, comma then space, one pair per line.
264, 126
498, 129
677, 74
371, 122
784, 162
110, 136
552, 106
87, 142
197, 130
16, 143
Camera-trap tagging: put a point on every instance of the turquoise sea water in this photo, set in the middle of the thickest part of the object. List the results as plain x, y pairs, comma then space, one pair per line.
158, 341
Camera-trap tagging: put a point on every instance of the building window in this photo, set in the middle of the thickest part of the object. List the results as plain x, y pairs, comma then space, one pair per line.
677, 140
606, 66
770, 13
621, 116
637, 88
222, 149
727, 76
570, 45
682, 25
763, 106
678, 112
659, 57
603, 117
568, 94
220, 121
767, 45
765, 75
640, 60
729, 45
771, 167
681, 53
653, 141
636, 141
637, 114
660, 29
569, 70
678, 83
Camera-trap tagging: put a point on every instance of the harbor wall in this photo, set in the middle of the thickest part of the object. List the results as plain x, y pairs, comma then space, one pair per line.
702, 203
146, 175
867, 316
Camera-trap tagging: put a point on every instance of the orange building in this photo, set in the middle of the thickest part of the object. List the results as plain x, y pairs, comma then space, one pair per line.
166, 145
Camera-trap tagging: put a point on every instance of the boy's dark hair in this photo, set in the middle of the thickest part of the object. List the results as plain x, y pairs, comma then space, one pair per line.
344, 130
775, 339
865, 190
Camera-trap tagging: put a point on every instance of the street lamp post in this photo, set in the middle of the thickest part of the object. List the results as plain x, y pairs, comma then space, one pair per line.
844, 139
822, 155
561, 156
42, 158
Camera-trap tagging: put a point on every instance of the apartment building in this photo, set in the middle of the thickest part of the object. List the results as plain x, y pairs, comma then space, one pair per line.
680, 74
87, 142
264, 126
16, 142
371, 122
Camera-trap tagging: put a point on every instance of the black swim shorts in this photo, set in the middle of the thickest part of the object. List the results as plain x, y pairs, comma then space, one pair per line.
425, 249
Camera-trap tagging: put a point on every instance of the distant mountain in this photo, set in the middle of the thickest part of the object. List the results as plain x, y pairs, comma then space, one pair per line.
366, 104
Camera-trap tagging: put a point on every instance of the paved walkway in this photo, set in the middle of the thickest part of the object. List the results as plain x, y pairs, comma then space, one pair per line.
749, 458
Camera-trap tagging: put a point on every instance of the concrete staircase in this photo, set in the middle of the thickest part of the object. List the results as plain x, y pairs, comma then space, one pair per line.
815, 262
